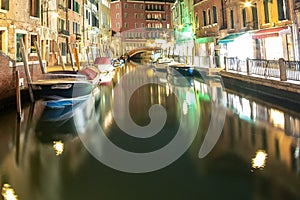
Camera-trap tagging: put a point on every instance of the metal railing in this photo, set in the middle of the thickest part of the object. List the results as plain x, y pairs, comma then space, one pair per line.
293, 70
266, 68
289, 70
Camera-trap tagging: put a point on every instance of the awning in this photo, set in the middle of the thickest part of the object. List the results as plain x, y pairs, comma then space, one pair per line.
204, 40
229, 38
272, 32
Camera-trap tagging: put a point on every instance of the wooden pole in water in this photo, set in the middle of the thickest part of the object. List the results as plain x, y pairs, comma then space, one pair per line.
18, 95
26, 68
87, 54
71, 57
76, 58
60, 56
40, 57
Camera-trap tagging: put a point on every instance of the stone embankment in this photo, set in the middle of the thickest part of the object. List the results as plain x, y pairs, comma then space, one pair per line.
286, 91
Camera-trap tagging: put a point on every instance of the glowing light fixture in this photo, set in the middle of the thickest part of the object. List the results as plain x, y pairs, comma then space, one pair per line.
180, 26
58, 147
8, 192
247, 4
260, 159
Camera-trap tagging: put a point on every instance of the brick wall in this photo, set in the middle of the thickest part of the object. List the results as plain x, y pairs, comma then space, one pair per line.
8, 78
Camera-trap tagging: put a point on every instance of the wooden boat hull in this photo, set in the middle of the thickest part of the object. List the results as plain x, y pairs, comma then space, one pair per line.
180, 70
63, 90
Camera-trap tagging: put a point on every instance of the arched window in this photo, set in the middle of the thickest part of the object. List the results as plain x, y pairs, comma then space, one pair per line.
209, 17
197, 20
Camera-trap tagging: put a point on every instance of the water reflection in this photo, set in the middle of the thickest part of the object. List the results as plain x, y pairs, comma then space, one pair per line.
256, 156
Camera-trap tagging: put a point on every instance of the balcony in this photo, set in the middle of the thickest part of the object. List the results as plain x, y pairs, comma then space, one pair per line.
62, 7
154, 10
64, 32
156, 19
78, 36
208, 31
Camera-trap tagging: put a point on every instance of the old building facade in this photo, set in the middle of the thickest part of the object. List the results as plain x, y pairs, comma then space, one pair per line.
56, 26
263, 29
137, 24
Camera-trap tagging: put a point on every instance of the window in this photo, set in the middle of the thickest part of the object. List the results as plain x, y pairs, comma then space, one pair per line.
34, 8
136, 25
117, 6
134, 6
19, 36
69, 4
68, 25
117, 15
232, 19
254, 16
33, 39
76, 6
266, 11
95, 21
283, 12
204, 18
135, 15
196, 20
125, 5
76, 28
143, 25
209, 17
125, 15
244, 17
118, 25
4, 4
142, 16
63, 48
142, 6
126, 25
215, 15
2, 40
61, 23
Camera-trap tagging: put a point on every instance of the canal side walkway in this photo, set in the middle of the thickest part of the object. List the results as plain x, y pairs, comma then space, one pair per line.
283, 92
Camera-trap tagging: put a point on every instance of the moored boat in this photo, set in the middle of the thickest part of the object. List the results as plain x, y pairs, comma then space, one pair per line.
164, 60
104, 64
180, 69
61, 84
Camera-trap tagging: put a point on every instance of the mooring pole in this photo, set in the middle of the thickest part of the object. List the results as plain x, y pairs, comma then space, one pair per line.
18, 95
26, 68
76, 59
71, 57
60, 56
40, 57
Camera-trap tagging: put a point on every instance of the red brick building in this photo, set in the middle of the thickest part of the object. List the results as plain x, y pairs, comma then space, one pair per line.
138, 23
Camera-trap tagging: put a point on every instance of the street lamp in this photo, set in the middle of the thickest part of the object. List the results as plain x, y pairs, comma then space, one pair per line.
247, 4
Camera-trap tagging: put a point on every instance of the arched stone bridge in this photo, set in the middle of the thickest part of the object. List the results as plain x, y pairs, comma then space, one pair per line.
136, 51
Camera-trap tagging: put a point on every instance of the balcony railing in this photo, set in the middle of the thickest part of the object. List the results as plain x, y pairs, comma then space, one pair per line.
64, 32
62, 7
155, 19
155, 10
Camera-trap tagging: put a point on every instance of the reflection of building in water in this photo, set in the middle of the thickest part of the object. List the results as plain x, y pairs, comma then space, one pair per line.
263, 127
255, 112
259, 141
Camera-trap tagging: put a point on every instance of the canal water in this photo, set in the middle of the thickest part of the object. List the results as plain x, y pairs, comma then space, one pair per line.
151, 135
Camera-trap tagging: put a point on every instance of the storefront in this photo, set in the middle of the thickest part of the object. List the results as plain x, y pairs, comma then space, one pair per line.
237, 45
274, 43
